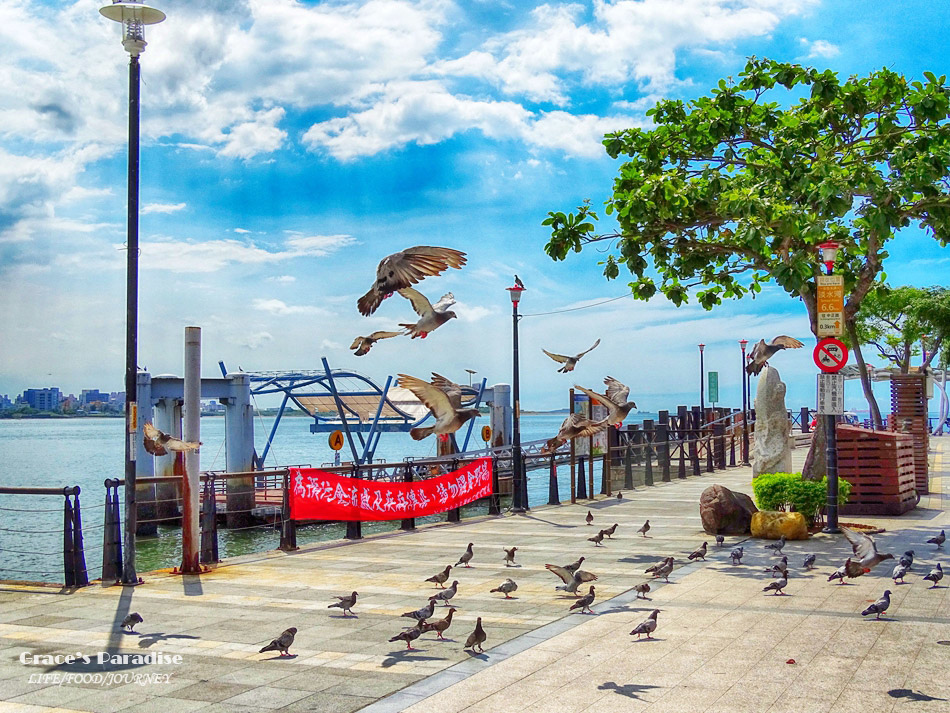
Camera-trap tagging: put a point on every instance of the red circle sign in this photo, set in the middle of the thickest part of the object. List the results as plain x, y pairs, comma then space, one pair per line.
831, 355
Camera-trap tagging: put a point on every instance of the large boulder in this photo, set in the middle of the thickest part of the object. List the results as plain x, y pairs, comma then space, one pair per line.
772, 524
771, 452
724, 512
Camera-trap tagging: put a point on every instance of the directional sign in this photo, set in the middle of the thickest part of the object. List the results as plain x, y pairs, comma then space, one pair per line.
336, 440
830, 394
486, 433
713, 386
830, 305
831, 355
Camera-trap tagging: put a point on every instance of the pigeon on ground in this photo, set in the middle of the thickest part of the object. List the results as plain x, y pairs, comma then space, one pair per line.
777, 546
645, 528
778, 585
410, 635
619, 495
431, 316
880, 606
506, 588
699, 553
584, 602
362, 345
866, 552
736, 555
935, 575
574, 426
442, 577
447, 593
443, 398
615, 399
281, 643
809, 561
664, 570
762, 352
938, 540
510, 556
907, 559
642, 588
720, 540
576, 580
567, 573
345, 603
424, 613
569, 362
159, 443
477, 637
610, 530
466, 556
597, 539
647, 626
662, 563
405, 268
841, 572
590, 518
899, 572
780, 568
131, 620
439, 625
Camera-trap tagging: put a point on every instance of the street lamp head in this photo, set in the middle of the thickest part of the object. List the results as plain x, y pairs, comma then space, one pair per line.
134, 16
515, 293
743, 343
829, 251
701, 347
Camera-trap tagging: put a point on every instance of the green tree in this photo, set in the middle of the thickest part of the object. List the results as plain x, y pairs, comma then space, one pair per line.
730, 191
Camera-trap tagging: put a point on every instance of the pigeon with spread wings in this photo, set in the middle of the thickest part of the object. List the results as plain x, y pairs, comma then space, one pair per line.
406, 268
431, 316
569, 362
866, 555
762, 352
362, 345
574, 425
615, 400
443, 398
159, 443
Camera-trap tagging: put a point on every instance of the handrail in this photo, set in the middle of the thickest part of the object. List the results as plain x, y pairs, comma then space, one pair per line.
27, 490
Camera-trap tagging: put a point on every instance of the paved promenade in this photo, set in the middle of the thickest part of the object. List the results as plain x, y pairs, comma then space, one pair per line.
721, 645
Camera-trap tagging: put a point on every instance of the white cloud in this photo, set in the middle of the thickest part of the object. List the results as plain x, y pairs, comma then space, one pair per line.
255, 340
280, 308
283, 279
259, 135
162, 208
241, 231
818, 48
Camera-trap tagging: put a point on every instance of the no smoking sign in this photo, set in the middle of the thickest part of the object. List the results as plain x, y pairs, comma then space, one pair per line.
831, 355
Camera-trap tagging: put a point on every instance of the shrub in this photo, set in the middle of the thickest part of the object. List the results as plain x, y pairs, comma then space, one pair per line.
788, 491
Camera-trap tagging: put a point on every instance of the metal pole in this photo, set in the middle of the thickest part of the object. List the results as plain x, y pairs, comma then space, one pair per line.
190, 530
702, 376
831, 454
517, 464
131, 324
745, 412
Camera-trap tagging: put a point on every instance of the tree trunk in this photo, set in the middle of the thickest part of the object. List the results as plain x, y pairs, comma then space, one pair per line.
865, 377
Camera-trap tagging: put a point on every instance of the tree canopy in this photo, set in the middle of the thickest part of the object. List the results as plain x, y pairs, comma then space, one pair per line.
730, 191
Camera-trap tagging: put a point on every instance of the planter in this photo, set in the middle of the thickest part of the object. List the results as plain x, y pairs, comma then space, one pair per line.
880, 467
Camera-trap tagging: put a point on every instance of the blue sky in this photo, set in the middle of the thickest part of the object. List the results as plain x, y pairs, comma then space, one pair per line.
288, 146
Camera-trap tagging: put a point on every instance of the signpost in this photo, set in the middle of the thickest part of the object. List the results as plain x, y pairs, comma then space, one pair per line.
486, 433
713, 387
336, 443
830, 355
830, 305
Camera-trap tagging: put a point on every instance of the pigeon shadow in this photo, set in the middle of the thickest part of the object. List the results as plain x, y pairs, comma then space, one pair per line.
502, 599
883, 618
912, 695
403, 655
476, 654
278, 657
147, 640
513, 566
549, 522
344, 616
629, 690
639, 641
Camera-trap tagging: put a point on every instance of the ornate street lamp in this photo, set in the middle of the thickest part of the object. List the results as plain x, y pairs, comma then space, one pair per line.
134, 16
471, 373
519, 498
829, 251
743, 343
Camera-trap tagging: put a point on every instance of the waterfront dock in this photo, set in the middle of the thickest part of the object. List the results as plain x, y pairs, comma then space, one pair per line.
722, 644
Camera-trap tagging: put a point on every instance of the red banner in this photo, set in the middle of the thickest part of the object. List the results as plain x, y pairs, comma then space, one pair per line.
318, 495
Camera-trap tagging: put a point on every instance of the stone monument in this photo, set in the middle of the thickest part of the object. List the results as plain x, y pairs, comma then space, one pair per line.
771, 452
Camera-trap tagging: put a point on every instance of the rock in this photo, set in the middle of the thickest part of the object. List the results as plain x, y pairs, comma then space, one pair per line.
771, 525
724, 512
770, 452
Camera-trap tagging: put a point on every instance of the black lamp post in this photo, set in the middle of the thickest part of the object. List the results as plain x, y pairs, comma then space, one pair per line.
829, 251
745, 405
519, 498
134, 16
702, 388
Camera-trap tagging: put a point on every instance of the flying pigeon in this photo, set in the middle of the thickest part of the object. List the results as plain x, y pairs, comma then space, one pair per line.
159, 443
647, 626
589, 518
610, 530
720, 540
131, 620
566, 574
645, 528
442, 577
281, 643
574, 426
865, 550
699, 553
642, 588
405, 268
447, 593
410, 635
842, 571
362, 345
907, 559
569, 362
477, 637
777, 546
345, 603
899, 572
809, 561
577, 579
466, 556
443, 398
597, 539
880, 606
584, 602
938, 540
431, 316
423, 613
510, 556
439, 625
615, 400
736, 555
506, 588
762, 352
778, 585
935, 575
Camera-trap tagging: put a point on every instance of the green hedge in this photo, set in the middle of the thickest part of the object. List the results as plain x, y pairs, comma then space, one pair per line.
788, 491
